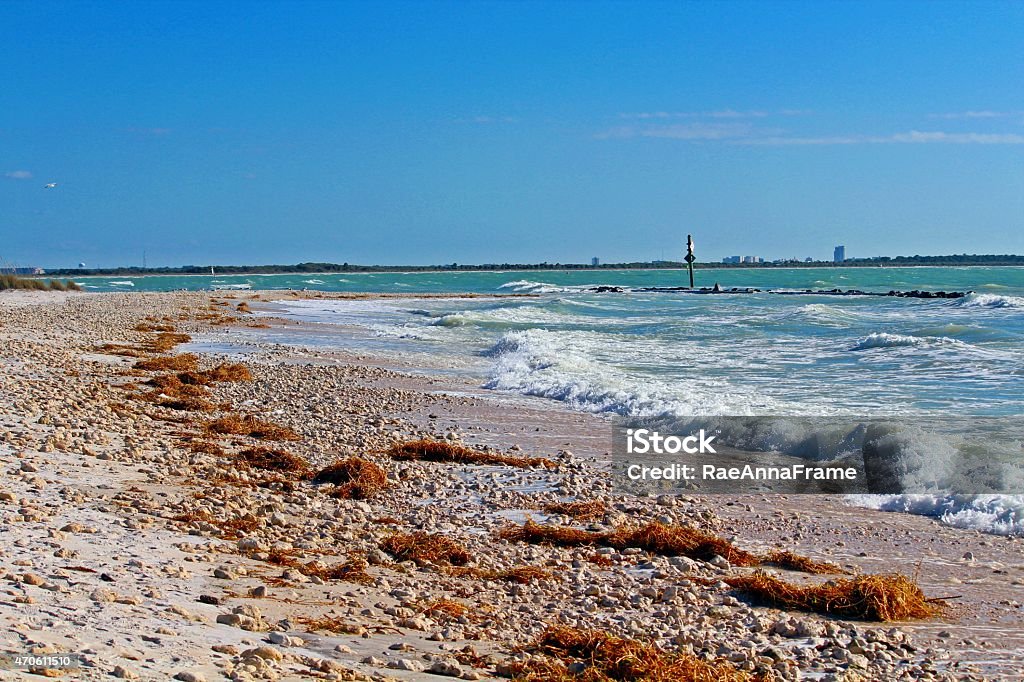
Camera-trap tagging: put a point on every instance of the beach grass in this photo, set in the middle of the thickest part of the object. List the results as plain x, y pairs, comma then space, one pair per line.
8, 281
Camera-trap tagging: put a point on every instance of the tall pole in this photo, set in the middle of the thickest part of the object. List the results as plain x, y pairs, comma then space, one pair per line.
690, 257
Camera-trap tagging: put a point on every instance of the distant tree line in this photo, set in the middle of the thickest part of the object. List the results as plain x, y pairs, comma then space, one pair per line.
301, 268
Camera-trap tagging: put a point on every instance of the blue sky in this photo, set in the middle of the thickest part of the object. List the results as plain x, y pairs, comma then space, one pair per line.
433, 132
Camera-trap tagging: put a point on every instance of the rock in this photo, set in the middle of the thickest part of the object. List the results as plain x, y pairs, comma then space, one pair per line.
32, 579
267, 653
189, 676
448, 667
410, 664
103, 595
282, 639
124, 673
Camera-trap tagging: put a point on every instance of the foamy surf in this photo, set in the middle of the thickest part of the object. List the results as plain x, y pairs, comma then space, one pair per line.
990, 301
996, 514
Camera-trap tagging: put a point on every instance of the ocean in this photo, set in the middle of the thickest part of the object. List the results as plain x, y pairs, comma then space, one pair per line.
638, 353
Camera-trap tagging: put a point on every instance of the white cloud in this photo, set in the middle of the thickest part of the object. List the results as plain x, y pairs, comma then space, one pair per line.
684, 131
911, 137
977, 114
19, 174
720, 113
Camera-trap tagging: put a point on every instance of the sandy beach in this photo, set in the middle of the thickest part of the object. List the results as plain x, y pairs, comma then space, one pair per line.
155, 547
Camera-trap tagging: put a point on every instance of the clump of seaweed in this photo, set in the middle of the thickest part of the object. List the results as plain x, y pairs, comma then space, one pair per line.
885, 597
797, 562
177, 384
206, 447
228, 372
187, 403
606, 657
439, 451
522, 575
426, 547
580, 510
444, 610
120, 349
151, 327
267, 459
353, 570
165, 341
248, 425
230, 528
657, 538
356, 478
184, 362
329, 624
243, 307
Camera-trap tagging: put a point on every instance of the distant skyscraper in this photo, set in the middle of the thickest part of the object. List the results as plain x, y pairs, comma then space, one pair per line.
595, 261
839, 255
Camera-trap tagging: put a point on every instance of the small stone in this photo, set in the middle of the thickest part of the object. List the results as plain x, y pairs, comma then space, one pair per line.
448, 667
968, 556
267, 653
125, 673
410, 664
103, 595
32, 579
189, 676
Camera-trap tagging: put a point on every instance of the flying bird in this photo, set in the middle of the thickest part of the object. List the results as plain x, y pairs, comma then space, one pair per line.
50, 185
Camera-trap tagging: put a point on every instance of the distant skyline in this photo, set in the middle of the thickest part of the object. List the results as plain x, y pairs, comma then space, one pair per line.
470, 132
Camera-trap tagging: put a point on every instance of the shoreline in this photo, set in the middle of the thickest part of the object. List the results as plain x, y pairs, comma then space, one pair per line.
353, 407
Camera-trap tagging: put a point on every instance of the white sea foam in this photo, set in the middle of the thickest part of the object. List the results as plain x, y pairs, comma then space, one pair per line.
887, 340
313, 281
990, 301
122, 283
999, 514
526, 286
565, 366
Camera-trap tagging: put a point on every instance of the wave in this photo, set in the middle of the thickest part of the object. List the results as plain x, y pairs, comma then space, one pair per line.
525, 286
121, 283
566, 366
887, 340
997, 514
990, 301
313, 281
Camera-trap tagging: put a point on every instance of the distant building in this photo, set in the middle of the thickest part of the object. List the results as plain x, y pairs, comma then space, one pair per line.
752, 259
732, 259
839, 254
808, 260
595, 261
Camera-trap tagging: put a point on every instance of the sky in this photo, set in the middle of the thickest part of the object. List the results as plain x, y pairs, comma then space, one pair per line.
490, 132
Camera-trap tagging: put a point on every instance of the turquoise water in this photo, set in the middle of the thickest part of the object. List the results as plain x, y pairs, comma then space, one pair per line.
982, 279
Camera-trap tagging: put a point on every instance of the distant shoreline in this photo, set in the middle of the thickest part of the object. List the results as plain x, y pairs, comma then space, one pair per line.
242, 270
